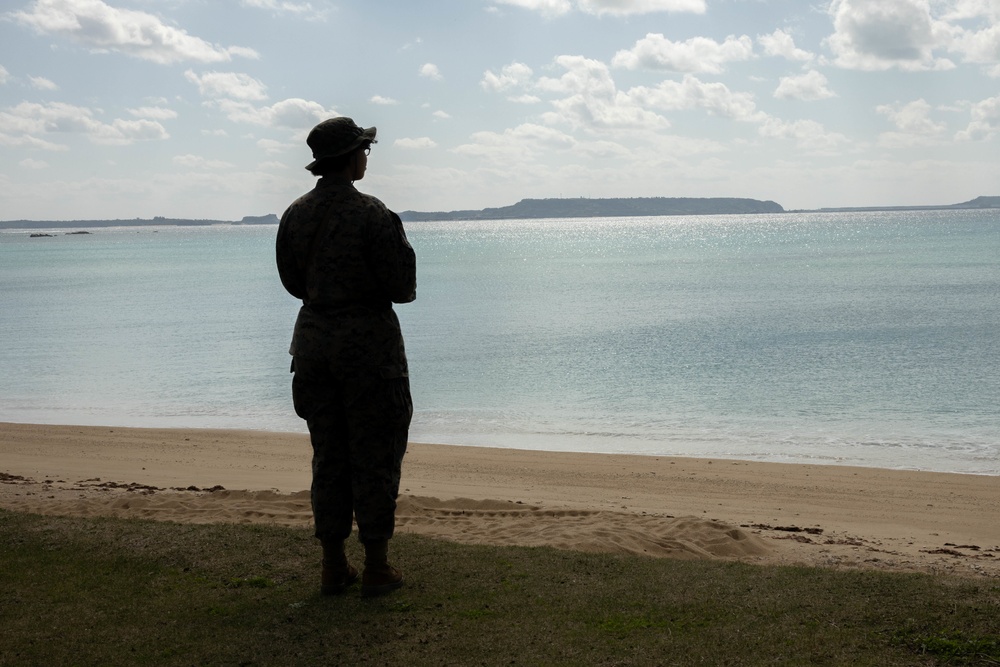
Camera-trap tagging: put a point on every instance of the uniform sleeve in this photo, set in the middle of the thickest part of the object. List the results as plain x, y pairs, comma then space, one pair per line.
289, 269
392, 259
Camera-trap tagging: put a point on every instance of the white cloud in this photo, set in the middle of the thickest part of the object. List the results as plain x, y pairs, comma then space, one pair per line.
809, 135
156, 113
697, 54
511, 77
232, 85
383, 101
198, 162
591, 100
985, 123
270, 146
413, 144
915, 129
628, 7
99, 26
912, 117
4, 75
293, 113
959, 10
41, 83
303, 9
888, 34
552, 8
442, 115
516, 145
514, 75
31, 163
27, 122
28, 141
780, 43
691, 93
544, 7
430, 71
807, 87
981, 46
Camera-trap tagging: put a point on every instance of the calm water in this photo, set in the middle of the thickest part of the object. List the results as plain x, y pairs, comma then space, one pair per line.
855, 338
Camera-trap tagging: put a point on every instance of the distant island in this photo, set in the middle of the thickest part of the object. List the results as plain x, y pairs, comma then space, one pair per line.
978, 202
269, 219
539, 208
605, 208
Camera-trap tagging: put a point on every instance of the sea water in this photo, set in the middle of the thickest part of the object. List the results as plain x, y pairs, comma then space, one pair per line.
846, 338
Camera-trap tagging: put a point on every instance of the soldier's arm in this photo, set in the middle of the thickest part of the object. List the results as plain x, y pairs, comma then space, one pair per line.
393, 260
288, 266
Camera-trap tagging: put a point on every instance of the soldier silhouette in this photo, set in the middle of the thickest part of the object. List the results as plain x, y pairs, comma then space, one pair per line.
346, 256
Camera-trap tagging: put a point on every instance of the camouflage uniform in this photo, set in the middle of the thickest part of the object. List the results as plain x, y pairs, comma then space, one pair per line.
346, 256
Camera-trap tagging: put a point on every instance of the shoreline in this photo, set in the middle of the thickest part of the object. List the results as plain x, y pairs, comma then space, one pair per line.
767, 513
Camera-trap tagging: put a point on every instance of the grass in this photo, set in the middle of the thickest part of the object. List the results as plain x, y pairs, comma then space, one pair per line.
130, 592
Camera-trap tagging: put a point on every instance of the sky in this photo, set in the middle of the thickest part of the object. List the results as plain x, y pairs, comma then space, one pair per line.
120, 109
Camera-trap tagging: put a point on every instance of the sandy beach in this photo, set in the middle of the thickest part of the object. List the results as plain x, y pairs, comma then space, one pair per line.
768, 513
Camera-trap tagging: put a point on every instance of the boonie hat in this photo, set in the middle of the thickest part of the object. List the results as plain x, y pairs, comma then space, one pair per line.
337, 136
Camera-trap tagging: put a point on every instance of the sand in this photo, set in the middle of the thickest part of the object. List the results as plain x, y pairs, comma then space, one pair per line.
766, 513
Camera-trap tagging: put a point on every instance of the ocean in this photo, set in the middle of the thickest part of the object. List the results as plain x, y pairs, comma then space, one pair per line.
853, 338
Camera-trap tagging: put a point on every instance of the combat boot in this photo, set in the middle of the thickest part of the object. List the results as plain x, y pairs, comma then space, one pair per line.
379, 577
338, 573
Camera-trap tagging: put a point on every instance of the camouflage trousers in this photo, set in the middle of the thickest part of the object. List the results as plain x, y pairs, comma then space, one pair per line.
358, 423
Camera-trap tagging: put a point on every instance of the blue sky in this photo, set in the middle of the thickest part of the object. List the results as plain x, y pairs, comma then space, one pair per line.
199, 108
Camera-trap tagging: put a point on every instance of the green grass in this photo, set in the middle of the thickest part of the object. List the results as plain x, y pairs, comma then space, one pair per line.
129, 592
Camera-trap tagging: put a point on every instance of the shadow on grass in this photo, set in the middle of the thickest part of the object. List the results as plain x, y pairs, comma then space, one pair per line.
127, 592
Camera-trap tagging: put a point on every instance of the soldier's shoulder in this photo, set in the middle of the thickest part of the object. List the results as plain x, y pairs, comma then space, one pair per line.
370, 204
304, 204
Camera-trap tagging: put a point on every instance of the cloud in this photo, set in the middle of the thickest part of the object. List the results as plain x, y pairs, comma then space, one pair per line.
430, 71
912, 117
384, 101
691, 93
270, 146
31, 163
156, 113
780, 43
232, 85
516, 145
698, 54
28, 141
591, 100
442, 115
553, 8
293, 113
808, 87
272, 164
414, 144
303, 9
981, 46
985, 123
875, 36
198, 162
514, 75
629, 7
27, 122
913, 124
4, 75
41, 83
809, 135
98, 26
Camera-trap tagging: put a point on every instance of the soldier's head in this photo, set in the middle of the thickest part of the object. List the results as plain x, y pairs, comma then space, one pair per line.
339, 145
